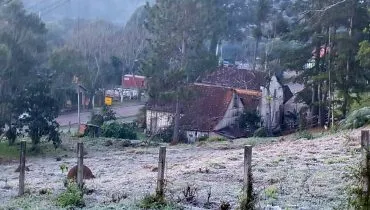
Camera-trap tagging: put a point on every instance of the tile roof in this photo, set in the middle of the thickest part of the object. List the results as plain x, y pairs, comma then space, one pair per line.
236, 78
250, 99
207, 107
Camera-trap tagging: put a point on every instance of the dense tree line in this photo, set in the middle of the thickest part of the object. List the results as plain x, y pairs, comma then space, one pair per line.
173, 42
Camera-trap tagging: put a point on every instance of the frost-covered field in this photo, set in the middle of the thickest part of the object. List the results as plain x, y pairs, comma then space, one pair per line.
290, 173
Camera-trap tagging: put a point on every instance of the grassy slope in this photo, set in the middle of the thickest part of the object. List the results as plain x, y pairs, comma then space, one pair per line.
288, 171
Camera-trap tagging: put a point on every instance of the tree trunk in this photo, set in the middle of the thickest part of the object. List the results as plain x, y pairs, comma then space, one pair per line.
175, 139
319, 105
213, 45
255, 54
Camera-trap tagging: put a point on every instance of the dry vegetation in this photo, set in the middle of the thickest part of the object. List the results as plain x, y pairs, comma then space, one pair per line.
288, 172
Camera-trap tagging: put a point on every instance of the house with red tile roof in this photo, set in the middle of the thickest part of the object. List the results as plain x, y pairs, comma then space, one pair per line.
211, 111
218, 101
274, 94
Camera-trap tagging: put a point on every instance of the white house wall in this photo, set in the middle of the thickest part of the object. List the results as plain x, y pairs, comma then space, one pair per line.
156, 120
271, 103
192, 136
232, 114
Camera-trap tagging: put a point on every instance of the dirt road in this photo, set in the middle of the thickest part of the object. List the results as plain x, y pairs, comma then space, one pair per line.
121, 111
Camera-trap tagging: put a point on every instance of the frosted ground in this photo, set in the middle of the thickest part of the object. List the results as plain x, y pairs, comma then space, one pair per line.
288, 172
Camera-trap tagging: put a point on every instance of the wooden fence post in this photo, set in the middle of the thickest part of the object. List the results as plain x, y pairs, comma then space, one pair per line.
161, 168
247, 184
22, 168
365, 143
80, 164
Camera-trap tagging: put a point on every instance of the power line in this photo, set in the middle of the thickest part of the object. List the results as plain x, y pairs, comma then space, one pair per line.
53, 7
41, 4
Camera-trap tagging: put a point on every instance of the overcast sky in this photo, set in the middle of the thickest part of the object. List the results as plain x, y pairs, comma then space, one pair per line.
116, 11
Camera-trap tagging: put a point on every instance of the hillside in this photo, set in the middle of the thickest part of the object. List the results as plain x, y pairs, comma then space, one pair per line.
288, 172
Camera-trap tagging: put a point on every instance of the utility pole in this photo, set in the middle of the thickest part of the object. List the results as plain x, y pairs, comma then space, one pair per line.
78, 107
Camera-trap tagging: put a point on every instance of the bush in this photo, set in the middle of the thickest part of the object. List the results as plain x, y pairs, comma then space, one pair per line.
11, 135
356, 119
249, 120
97, 119
119, 130
260, 132
203, 138
73, 196
108, 113
152, 202
166, 135
216, 139
156, 202
305, 135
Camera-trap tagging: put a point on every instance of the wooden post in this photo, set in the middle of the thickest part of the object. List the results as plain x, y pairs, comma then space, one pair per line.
365, 143
161, 168
22, 168
247, 169
80, 160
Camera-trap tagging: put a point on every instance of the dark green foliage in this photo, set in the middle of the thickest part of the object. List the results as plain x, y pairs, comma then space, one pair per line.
11, 135
166, 135
157, 202
356, 198
356, 119
216, 139
108, 113
247, 200
97, 119
261, 132
153, 202
119, 130
203, 138
304, 134
71, 197
22, 46
37, 111
249, 120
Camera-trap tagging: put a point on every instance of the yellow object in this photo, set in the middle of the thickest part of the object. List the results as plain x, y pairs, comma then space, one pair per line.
108, 101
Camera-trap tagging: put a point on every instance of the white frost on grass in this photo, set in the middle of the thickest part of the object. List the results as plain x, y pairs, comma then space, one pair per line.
292, 173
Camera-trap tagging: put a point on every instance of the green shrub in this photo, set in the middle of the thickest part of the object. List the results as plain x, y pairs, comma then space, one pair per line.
153, 202
356, 199
356, 119
216, 139
108, 113
203, 138
305, 135
11, 135
260, 132
97, 119
249, 120
167, 134
73, 196
119, 130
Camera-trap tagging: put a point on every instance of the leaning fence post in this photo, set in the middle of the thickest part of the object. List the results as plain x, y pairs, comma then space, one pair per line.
22, 168
365, 143
80, 156
247, 184
161, 168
